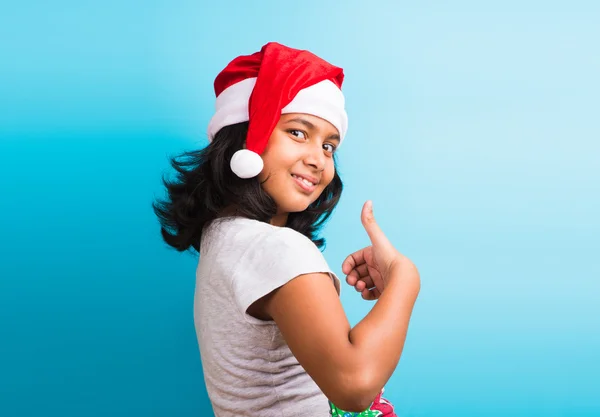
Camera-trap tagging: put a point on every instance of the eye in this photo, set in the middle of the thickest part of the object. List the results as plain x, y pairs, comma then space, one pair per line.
298, 133
331, 149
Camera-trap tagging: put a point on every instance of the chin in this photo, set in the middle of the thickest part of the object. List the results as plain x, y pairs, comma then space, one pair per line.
294, 206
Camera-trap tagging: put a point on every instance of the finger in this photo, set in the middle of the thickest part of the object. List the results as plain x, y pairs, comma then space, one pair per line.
358, 274
373, 294
376, 293
365, 282
376, 278
370, 295
353, 260
361, 271
352, 278
373, 230
360, 285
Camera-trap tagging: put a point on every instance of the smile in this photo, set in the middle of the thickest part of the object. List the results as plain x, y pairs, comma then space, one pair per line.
305, 184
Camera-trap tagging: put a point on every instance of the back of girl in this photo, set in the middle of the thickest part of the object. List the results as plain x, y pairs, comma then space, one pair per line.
273, 337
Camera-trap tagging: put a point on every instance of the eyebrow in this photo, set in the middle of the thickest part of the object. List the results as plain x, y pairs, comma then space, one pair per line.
310, 126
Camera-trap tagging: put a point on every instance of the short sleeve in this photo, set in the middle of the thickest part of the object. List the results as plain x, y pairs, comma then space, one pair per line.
273, 260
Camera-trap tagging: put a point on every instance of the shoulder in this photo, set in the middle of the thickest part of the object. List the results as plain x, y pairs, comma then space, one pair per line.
257, 233
288, 246
263, 257
235, 232
270, 249
292, 238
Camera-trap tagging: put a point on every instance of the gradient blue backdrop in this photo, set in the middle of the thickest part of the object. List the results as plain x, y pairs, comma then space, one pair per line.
473, 128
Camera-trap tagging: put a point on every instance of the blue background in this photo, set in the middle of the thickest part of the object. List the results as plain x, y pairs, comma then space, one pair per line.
473, 128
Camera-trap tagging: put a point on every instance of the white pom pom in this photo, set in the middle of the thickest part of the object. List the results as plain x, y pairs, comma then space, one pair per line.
246, 164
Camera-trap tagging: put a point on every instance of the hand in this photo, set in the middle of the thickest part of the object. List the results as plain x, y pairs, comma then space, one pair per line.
368, 270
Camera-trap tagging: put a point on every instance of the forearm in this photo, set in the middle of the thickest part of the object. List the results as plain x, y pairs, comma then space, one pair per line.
378, 339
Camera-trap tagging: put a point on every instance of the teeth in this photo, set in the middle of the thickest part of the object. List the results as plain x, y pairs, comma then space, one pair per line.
305, 181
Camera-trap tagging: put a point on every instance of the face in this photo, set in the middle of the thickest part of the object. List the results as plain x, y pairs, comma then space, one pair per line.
298, 161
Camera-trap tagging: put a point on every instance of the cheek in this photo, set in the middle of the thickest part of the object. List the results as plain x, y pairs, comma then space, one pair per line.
328, 176
272, 177
263, 175
268, 167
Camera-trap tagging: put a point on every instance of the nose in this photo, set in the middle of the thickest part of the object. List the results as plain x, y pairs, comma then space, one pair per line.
315, 156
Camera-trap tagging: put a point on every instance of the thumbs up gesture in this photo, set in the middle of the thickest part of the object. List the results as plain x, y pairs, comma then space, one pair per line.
368, 269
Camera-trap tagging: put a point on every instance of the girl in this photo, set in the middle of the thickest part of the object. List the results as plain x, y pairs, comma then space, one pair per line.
273, 337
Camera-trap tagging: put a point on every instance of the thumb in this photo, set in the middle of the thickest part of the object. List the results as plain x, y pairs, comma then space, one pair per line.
373, 230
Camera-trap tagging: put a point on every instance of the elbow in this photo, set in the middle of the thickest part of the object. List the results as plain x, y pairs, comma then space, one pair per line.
357, 391
355, 405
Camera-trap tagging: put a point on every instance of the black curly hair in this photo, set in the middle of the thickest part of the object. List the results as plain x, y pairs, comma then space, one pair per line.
205, 185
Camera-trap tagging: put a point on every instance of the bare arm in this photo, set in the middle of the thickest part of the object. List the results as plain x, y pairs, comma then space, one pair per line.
351, 366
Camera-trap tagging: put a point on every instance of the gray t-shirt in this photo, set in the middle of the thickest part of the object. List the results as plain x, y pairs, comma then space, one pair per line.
248, 368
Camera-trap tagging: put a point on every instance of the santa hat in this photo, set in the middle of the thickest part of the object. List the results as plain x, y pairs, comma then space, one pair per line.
259, 88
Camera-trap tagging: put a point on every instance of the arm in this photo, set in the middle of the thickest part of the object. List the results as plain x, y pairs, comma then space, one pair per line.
350, 366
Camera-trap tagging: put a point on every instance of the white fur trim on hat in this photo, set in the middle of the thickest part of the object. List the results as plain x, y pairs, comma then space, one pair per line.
231, 106
324, 100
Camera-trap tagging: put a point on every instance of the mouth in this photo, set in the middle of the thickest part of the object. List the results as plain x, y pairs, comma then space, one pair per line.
306, 184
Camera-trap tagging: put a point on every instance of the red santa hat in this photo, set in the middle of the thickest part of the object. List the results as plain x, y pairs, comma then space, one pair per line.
259, 88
